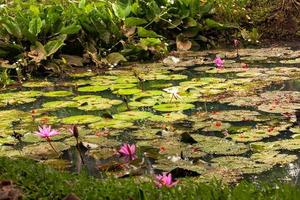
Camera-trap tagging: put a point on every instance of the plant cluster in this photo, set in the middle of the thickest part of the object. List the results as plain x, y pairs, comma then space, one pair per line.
103, 32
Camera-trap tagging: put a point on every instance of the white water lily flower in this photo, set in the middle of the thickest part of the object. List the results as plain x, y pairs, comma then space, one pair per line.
174, 92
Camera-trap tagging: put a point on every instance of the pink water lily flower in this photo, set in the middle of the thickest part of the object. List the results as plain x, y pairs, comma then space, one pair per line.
165, 180
219, 62
46, 132
128, 152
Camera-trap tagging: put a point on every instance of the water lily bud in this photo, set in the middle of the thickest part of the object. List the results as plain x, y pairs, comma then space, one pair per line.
75, 131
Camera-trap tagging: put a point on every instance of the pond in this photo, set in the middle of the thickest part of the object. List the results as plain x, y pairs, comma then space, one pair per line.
186, 117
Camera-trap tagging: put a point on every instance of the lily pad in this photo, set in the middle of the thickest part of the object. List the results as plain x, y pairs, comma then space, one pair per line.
169, 107
100, 141
168, 117
81, 119
94, 88
132, 115
60, 104
58, 94
130, 91
37, 84
236, 115
111, 123
244, 165
44, 150
168, 165
220, 146
102, 153
273, 158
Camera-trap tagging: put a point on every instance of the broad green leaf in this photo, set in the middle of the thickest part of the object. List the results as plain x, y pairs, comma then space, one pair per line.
71, 29
134, 21
122, 8
53, 46
115, 58
214, 24
11, 27
35, 26
142, 32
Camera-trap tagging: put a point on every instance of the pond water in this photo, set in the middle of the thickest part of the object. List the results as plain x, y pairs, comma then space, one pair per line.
233, 123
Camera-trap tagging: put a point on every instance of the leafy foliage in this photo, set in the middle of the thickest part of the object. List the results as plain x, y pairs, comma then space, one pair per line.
56, 185
34, 33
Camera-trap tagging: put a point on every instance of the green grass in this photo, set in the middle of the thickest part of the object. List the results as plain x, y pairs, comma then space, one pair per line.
41, 182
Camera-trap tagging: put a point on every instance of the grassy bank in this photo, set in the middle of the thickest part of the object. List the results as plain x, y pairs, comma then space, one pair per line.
41, 182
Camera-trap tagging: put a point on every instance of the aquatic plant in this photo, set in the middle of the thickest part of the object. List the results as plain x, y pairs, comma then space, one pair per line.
128, 152
174, 93
109, 32
164, 179
219, 63
47, 132
74, 131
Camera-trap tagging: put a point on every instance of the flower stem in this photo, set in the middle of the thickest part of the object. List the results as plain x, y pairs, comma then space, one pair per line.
77, 147
171, 98
49, 141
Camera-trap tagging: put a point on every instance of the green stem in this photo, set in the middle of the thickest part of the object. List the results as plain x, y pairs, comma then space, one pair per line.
49, 141
77, 147
171, 98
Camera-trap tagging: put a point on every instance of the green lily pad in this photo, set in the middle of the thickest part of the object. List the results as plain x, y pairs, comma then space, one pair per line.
8, 151
130, 91
58, 94
236, 115
122, 86
17, 98
148, 93
38, 84
8, 141
81, 119
44, 150
100, 141
60, 104
103, 153
273, 158
169, 107
168, 117
216, 126
215, 145
94, 88
146, 134
244, 165
47, 120
222, 174
168, 165
259, 133
133, 115
287, 144
111, 123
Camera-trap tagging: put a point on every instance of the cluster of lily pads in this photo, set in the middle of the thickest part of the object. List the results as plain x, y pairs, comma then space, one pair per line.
187, 118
